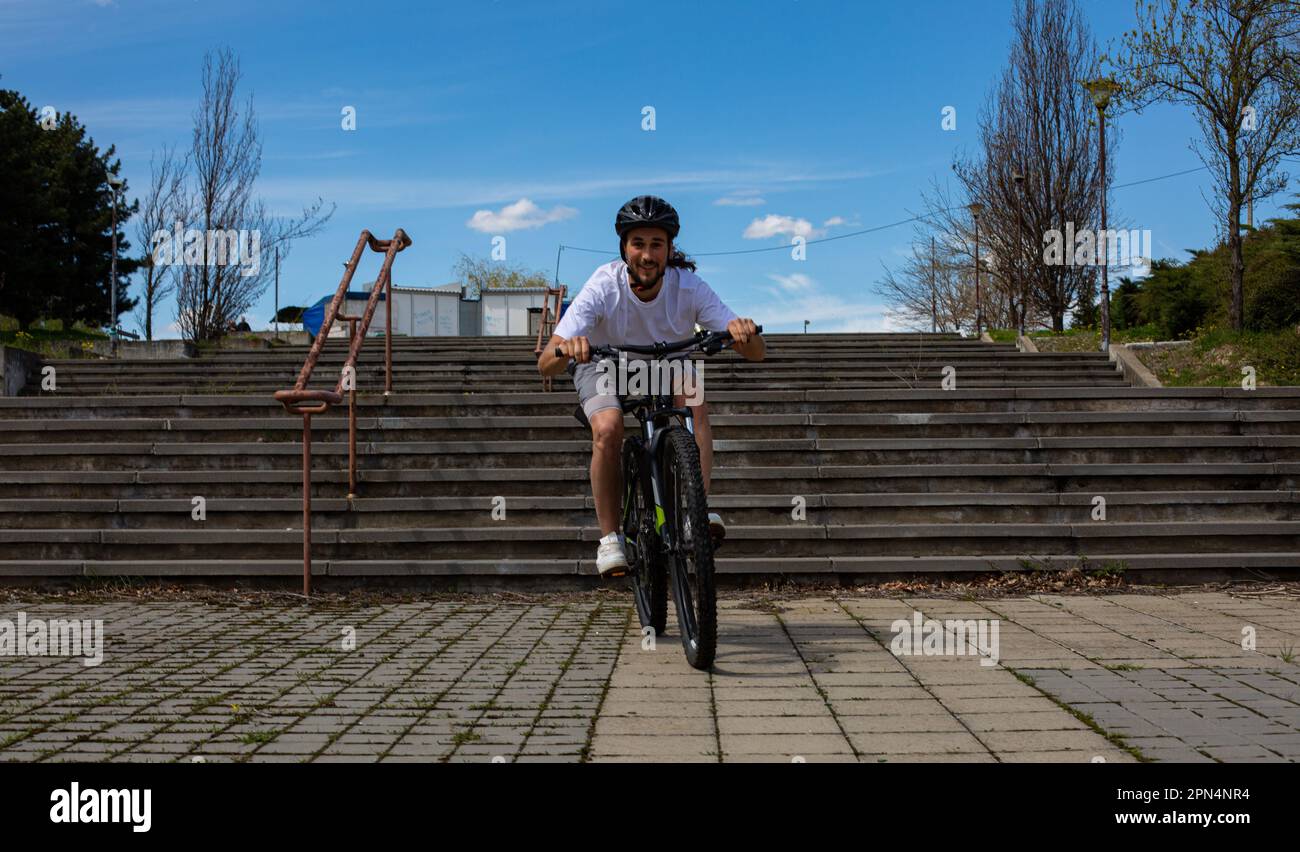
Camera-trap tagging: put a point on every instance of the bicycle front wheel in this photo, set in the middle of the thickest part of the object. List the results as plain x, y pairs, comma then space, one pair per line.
691, 553
641, 541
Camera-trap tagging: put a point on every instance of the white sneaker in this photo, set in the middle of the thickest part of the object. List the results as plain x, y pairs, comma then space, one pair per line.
610, 559
717, 529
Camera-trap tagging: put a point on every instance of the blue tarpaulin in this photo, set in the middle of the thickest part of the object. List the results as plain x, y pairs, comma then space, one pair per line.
314, 317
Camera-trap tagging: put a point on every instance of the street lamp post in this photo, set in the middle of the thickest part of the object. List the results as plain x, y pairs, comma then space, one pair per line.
277, 293
1019, 180
976, 209
1102, 90
805, 326
116, 183
934, 305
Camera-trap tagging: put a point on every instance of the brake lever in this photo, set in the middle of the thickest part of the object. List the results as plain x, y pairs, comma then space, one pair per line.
720, 344
716, 345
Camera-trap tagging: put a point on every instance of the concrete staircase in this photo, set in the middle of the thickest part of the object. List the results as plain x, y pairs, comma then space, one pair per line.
839, 456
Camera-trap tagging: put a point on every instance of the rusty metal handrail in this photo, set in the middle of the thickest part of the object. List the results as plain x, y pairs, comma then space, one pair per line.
300, 400
547, 326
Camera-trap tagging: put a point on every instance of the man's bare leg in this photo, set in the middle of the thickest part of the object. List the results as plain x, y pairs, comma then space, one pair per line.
606, 467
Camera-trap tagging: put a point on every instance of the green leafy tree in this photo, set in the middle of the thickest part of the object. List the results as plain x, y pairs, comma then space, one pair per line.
56, 213
1272, 287
1236, 63
1125, 309
1178, 297
482, 274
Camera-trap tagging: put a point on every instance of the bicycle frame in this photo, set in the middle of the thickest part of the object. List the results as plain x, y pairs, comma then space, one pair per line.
654, 414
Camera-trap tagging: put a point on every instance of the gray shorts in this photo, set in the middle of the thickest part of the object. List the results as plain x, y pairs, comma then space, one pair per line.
586, 379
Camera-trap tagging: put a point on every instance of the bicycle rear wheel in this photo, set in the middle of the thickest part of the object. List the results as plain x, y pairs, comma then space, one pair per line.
641, 542
691, 554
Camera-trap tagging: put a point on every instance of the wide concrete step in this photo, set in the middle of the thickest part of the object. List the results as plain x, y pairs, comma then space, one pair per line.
476, 573
334, 426
526, 362
522, 363
567, 481
933, 453
1095, 539
916, 404
578, 511
711, 384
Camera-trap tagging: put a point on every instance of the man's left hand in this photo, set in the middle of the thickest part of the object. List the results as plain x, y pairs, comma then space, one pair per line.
742, 329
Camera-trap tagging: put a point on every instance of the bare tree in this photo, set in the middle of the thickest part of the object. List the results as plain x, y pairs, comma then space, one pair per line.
162, 207
933, 292
1036, 126
934, 289
1236, 63
214, 289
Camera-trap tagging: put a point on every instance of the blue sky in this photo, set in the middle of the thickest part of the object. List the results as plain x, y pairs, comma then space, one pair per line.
525, 119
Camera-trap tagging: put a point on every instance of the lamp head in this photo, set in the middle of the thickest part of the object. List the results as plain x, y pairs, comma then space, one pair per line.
1102, 90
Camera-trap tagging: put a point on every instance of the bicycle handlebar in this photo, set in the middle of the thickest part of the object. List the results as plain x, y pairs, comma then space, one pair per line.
709, 342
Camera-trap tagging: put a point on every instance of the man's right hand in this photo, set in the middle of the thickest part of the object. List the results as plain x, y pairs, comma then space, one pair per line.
554, 359
577, 348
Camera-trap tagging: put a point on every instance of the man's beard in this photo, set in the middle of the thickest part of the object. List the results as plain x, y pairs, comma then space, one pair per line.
640, 281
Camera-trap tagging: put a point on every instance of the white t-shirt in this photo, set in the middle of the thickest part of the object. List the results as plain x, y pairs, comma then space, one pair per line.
610, 314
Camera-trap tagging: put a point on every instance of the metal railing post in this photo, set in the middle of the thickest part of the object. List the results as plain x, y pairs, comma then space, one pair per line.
352, 443
388, 334
306, 504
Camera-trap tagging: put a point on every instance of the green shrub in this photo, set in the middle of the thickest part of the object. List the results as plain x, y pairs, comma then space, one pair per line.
1126, 310
1177, 298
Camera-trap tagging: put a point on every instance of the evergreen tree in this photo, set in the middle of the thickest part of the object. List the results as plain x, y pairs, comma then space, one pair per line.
56, 212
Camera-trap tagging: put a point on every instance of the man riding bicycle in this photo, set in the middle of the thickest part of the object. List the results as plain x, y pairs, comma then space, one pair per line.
651, 295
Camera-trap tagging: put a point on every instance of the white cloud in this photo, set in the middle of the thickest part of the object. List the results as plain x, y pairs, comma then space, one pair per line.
740, 198
793, 283
833, 221
797, 297
775, 226
521, 215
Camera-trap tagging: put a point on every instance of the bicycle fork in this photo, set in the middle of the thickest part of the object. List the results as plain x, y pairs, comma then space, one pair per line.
648, 450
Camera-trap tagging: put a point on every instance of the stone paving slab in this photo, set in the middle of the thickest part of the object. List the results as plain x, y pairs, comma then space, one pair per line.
1197, 676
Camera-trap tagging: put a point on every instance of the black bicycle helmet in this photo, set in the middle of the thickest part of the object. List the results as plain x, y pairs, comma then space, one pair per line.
647, 211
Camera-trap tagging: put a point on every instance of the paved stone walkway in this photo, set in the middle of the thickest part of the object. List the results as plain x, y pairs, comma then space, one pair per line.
1078, 678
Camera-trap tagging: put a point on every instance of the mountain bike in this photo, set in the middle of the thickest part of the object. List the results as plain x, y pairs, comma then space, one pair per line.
665, 514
